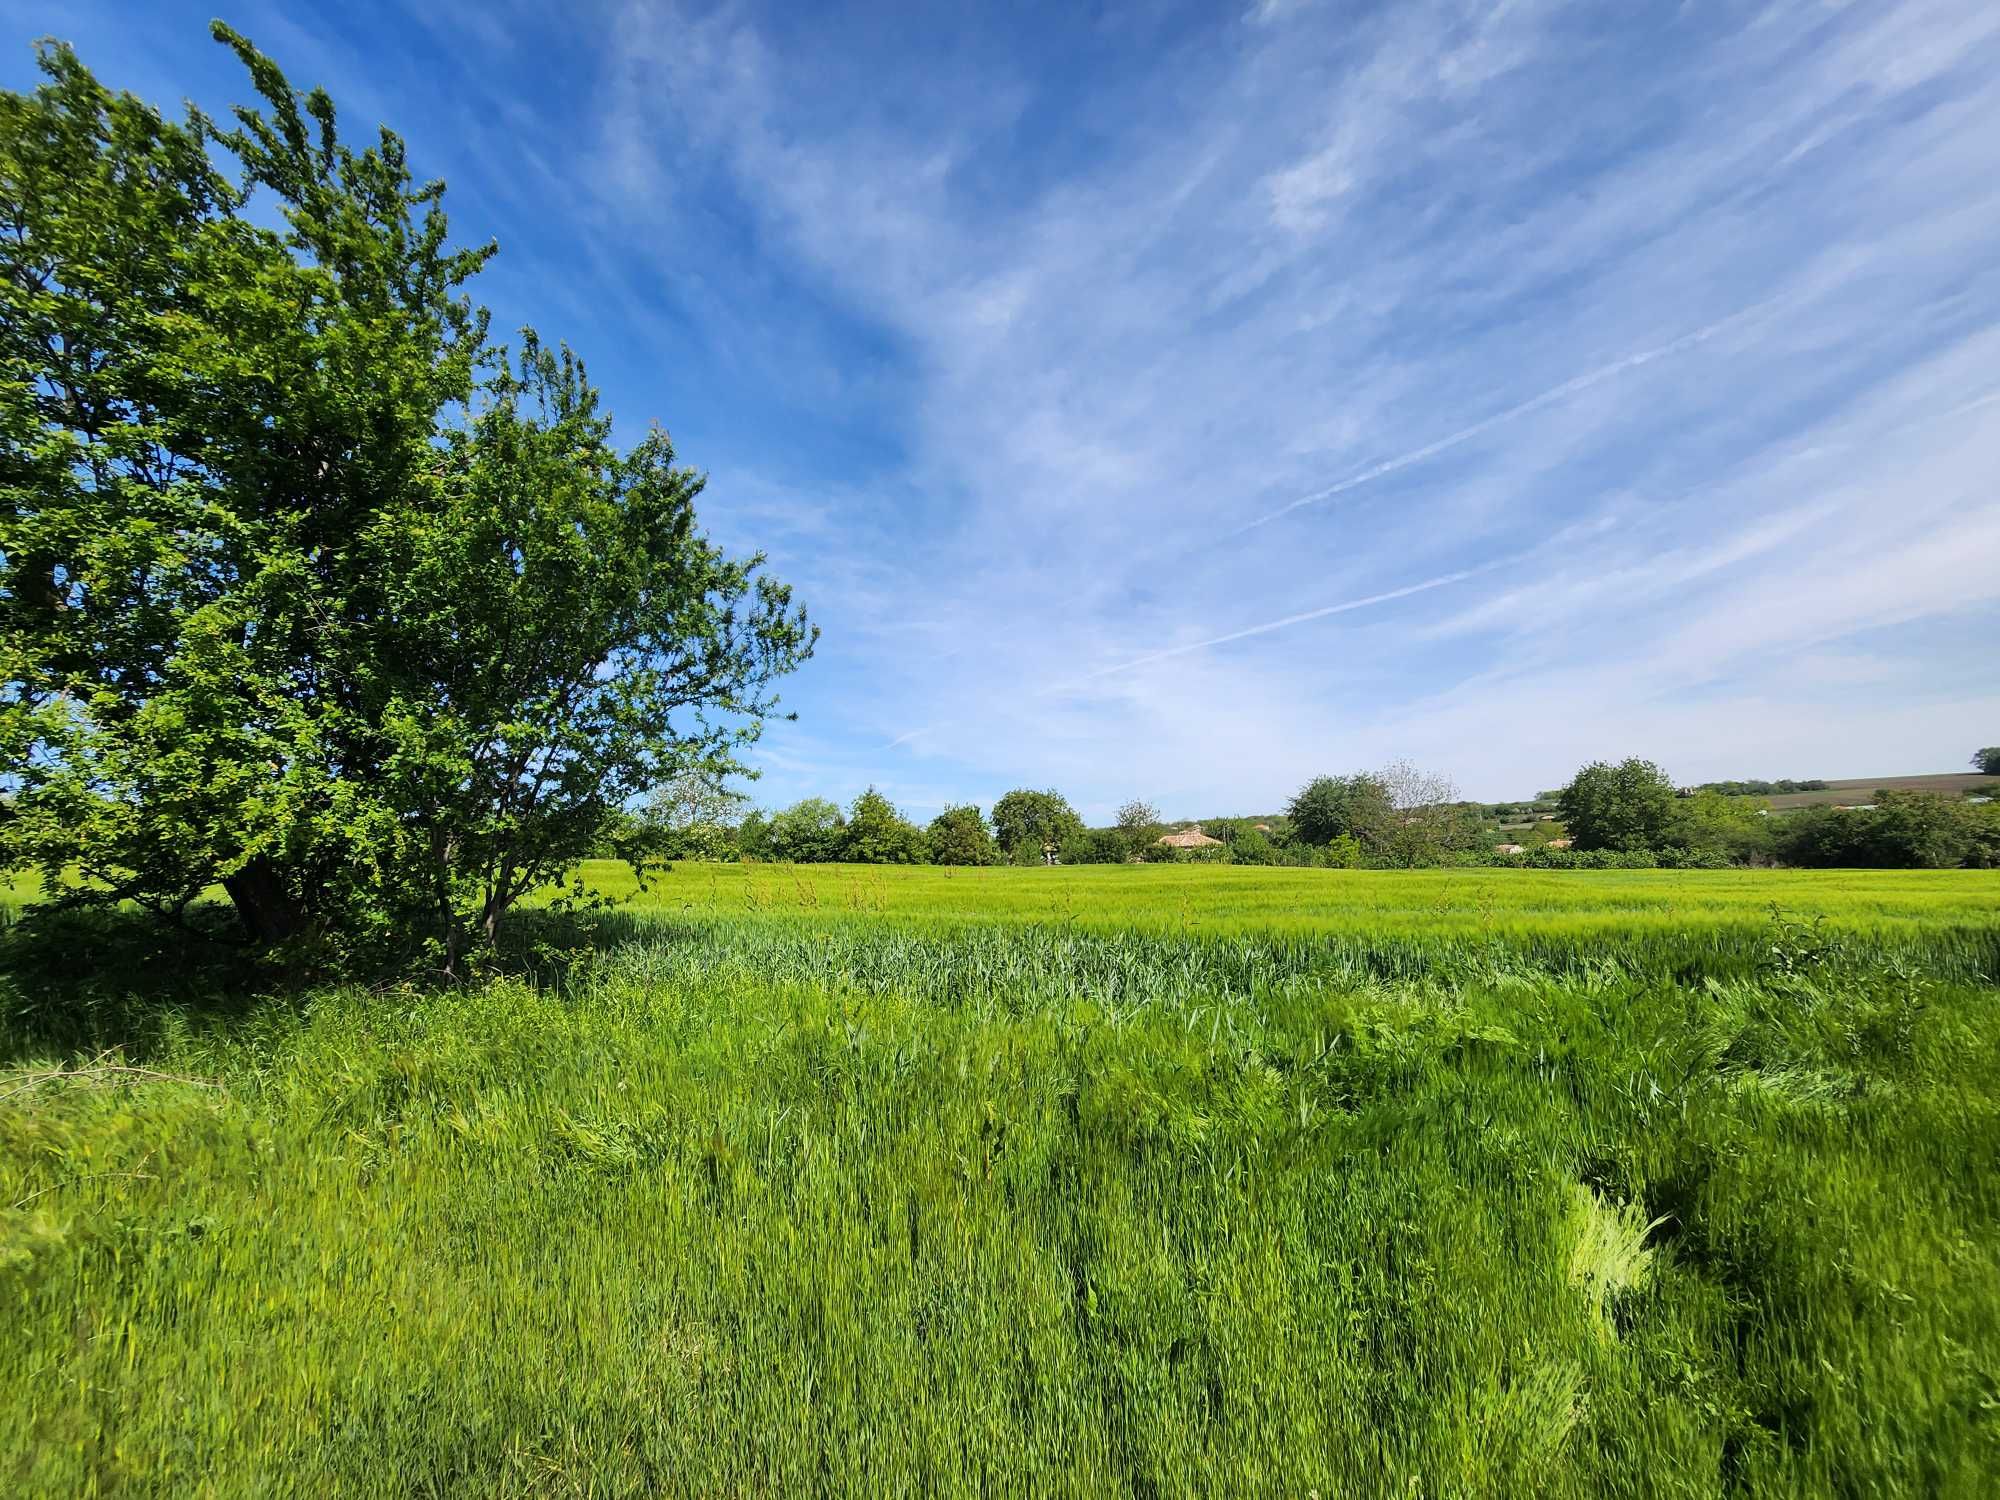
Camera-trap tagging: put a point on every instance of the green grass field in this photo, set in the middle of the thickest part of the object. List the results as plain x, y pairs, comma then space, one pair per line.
1111, 1181
1225, 900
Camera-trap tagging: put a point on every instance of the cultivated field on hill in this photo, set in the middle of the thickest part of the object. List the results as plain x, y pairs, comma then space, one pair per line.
1107, 1181
1860, 789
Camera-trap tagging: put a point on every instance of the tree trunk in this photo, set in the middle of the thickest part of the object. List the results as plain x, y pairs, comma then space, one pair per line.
268, 910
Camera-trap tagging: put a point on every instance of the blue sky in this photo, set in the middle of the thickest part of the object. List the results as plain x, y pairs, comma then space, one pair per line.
1178, 401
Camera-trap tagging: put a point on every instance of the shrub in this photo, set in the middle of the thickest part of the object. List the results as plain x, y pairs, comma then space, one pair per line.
1252, 847
1903, 830
1095, 846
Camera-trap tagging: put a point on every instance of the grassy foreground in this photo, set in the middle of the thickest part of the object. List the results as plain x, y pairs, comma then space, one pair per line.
1179, 1181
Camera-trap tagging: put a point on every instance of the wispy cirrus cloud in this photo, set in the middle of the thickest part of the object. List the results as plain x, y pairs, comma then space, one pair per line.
1575, 385
1303, 617
1580, 275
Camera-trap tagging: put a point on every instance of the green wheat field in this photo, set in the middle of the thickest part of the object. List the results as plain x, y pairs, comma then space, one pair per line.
1111, 1181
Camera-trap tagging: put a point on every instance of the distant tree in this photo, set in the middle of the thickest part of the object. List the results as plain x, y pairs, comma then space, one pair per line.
1760, 788
1253, 847
1032, 825
876, 834
1987, 761
959, 836
688, 816
623, 836
1903, 830
1327, 807
807, 832
753, 836
1984, 824
1823, 838
1627, 806
1709, 822
1426, 823
1919, 830
1138, 825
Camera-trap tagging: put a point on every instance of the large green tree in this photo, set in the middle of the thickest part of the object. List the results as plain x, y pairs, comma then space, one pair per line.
1330, 807
1032, 825
1627, 806
305, 588
877, 834
959, 836
810, 831
1901, 830
1986, 760
753, 835
1920, 830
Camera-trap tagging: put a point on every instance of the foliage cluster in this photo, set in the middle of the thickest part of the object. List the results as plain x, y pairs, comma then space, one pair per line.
1632, 809
1903, 830
307, 589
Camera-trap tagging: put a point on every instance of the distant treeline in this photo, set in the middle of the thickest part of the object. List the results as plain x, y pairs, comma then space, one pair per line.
1633, 809
1627, 815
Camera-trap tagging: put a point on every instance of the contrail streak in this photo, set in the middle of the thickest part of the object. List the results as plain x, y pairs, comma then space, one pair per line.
1548, 397
1270, 625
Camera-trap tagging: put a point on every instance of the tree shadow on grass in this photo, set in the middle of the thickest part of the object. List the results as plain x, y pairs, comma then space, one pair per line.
85, 981
554, 950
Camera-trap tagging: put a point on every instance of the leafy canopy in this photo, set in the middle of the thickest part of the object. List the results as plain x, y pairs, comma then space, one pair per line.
753, 835
1331, 807
879, 835
306, 588
1627, 806
1030, 824
959, 836
810, 831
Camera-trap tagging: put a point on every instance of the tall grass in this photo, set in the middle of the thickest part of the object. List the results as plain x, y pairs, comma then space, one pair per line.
958, 1193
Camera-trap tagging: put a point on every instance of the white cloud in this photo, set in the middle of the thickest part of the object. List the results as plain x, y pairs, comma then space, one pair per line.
1680, 351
